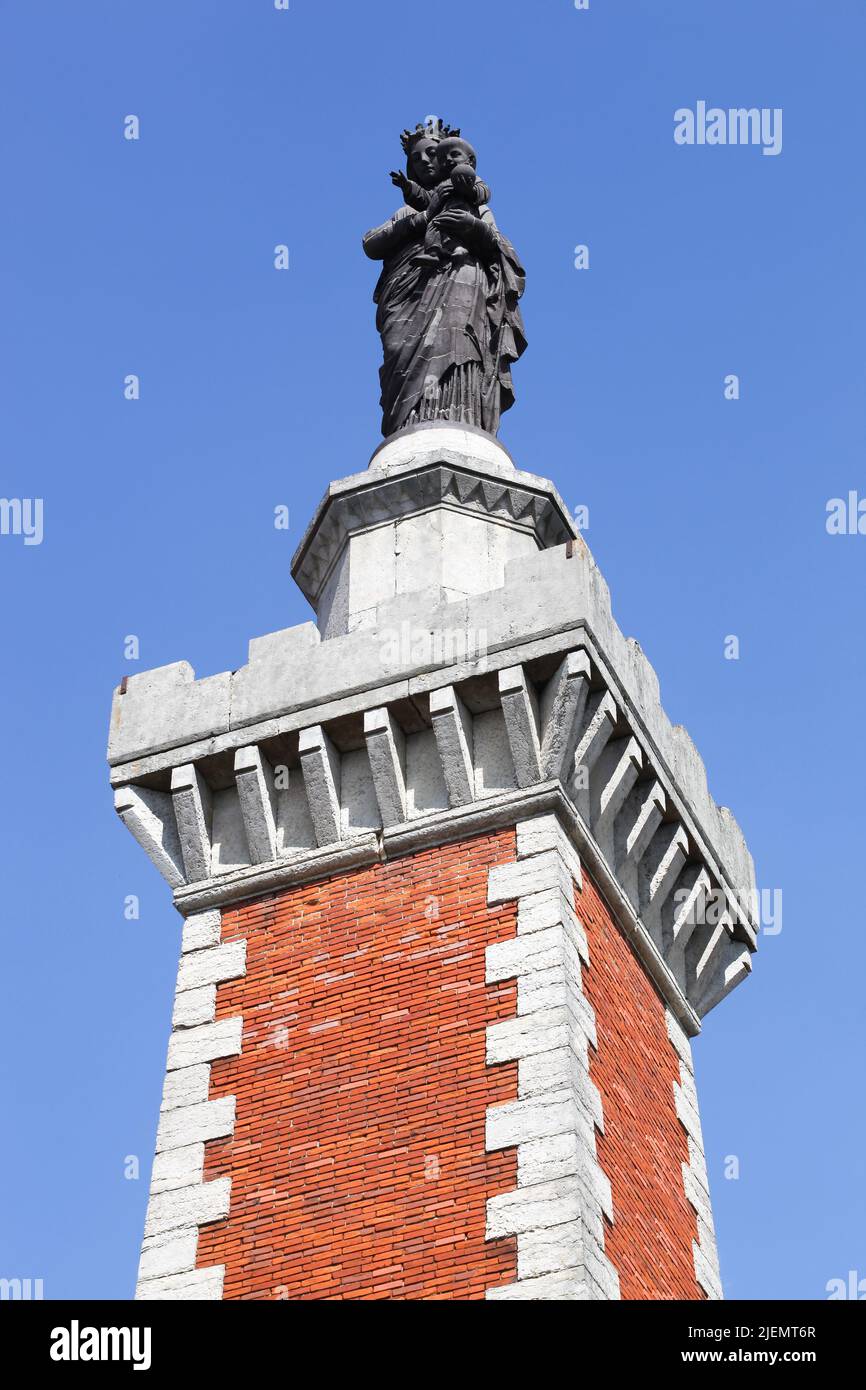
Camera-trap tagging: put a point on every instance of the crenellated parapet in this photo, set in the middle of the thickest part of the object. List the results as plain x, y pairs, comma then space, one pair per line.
437, 718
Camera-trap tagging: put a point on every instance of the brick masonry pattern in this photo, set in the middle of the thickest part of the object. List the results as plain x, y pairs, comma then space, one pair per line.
358, 1160
644, 1144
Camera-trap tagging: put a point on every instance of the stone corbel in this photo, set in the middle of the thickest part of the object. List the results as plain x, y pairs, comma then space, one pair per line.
689, 913
562, 705
254, 778
149, 816
658, 874
320, 765
721, 965
601, 719
616, 772
193, 812
386, 750
634, 829
452, 727
520, 708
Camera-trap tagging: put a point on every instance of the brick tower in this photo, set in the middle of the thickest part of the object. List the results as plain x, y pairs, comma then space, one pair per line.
455, 900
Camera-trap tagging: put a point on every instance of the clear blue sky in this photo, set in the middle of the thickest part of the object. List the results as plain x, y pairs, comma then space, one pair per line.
707, 516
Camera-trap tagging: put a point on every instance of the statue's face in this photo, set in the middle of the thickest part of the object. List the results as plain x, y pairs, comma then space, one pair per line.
422, 163
450, 153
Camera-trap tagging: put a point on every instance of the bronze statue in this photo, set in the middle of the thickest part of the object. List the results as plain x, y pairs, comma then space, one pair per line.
448, 297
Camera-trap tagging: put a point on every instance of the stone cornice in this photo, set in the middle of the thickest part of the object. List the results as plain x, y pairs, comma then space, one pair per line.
549, 602
154, 769
569, 742
369, 499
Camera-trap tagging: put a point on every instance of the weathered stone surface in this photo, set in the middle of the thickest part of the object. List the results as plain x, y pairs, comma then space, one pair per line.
177, 1167
193, 809
187, 1086
323, 780
204, 1044
197, 1285
562, 1196
695, 1179
187, 1206
211, 966
386, 751
452, 726
149, 817
173, 1252
194, 1006
194, 1124
257, 795
201, 929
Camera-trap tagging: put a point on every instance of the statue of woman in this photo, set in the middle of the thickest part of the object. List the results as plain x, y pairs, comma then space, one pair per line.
450, 323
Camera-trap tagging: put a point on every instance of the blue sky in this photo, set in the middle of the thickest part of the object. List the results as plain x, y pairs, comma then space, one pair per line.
707, 516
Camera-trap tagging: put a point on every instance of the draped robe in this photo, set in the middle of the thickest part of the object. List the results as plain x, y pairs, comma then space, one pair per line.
450, 330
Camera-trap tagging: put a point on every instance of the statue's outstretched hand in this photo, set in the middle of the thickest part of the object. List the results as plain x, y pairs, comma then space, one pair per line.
399, 179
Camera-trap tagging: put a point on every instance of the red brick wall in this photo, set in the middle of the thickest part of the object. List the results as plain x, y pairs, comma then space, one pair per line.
358, 1164
644, 1145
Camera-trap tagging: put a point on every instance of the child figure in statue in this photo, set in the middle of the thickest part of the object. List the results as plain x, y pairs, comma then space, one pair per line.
458, 189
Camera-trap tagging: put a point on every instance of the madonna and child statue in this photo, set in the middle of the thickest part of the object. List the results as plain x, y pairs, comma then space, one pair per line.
448, 297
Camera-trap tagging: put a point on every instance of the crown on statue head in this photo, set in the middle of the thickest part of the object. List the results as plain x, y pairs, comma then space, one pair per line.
434, 128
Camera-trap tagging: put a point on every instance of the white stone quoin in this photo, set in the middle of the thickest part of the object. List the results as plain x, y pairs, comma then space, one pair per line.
180, 1199
465, 673
556, 1212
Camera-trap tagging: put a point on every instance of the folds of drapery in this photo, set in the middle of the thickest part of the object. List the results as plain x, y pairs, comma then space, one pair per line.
436, 318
